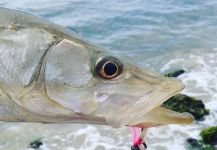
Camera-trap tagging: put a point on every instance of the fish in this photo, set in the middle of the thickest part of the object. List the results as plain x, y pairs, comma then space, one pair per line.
50, 74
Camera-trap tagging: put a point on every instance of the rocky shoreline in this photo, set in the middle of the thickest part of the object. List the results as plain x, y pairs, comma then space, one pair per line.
185, 103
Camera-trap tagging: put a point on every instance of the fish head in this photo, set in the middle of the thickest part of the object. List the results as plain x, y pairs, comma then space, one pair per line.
93, 82
134, 95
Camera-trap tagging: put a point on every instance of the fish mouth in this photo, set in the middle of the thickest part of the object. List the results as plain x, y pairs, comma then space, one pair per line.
152, 113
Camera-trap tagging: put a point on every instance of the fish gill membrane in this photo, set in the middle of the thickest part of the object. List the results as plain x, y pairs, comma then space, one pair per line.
51, 75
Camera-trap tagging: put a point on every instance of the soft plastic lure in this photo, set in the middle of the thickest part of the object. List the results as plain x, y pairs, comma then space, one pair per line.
138, 135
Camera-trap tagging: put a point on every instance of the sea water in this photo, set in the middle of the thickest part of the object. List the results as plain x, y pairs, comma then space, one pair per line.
163, 35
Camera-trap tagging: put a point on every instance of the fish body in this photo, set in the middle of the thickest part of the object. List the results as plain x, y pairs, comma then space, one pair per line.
48, 74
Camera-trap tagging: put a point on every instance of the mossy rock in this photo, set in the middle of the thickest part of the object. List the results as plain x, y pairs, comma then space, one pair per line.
209, 135
175, 73
194, 144
36, 144
183, 103
208, 142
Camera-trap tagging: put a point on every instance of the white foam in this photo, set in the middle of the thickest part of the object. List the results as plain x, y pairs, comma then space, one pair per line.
201, 67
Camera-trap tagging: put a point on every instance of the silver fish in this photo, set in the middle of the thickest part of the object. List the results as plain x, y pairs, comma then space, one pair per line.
48, 74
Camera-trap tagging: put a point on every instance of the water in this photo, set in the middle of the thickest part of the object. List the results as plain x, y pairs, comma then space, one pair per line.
161, 34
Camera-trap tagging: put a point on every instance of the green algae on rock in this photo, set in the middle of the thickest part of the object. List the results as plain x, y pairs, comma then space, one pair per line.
208, 142
199, 145
209, 135
183, 103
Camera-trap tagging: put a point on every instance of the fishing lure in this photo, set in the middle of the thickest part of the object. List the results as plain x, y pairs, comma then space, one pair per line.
138, 135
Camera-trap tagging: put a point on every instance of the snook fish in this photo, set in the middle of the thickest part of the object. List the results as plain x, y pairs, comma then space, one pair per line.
48, 74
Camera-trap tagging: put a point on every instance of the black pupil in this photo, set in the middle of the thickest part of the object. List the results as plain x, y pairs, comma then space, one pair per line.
110, 69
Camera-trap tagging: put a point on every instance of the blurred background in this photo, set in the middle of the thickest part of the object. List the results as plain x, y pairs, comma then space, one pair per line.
163, 35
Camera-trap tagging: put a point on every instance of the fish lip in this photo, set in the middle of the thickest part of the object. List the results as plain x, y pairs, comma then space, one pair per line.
177, 87
173, 94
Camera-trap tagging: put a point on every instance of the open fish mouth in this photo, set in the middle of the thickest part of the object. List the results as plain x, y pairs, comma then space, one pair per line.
157, 114
149, 111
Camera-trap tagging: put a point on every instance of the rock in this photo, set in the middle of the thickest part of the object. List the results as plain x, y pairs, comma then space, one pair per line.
199, 145
36, 144
209, 135
175, 73
183, 103
208, 142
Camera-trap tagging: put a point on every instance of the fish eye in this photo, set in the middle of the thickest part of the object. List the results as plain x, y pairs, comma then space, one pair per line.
108, 68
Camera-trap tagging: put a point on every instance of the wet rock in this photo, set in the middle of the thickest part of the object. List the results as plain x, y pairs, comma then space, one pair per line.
36, 144
209, 135
194, 144
183, 103
208, 142
175, 73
